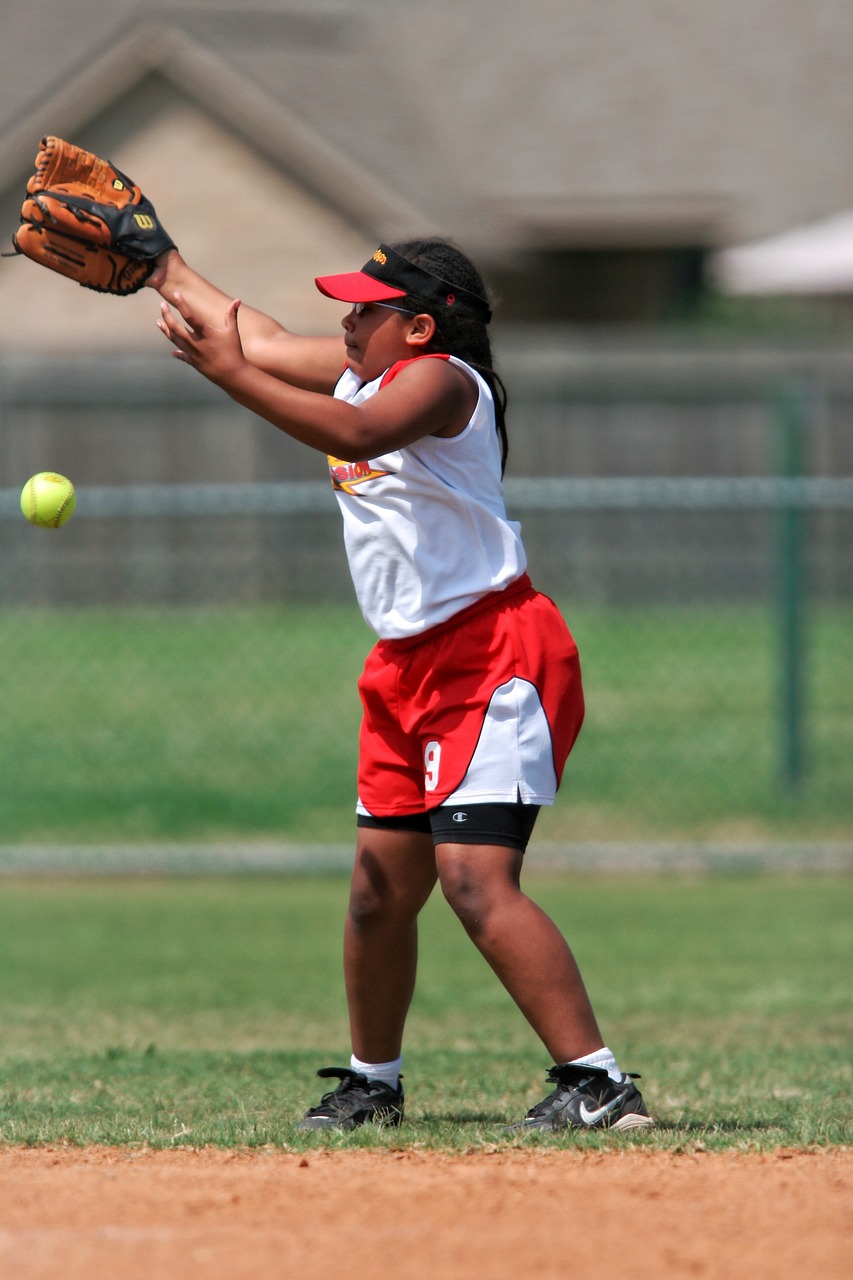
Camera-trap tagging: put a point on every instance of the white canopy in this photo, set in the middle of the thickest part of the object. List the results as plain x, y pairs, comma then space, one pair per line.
813, 259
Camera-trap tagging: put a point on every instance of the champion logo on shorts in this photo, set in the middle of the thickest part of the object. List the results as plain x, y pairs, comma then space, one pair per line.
460, 816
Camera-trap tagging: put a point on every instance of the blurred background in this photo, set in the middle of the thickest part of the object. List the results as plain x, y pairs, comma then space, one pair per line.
661, 195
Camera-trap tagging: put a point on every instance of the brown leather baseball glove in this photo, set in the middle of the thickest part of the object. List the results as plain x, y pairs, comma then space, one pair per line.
86, 220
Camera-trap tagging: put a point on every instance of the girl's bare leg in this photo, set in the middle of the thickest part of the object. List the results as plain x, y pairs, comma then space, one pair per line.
393, 876
522, 944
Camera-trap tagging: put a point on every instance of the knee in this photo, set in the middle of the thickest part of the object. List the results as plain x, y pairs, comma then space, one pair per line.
371, 902
365, 906
379, 895
466, 893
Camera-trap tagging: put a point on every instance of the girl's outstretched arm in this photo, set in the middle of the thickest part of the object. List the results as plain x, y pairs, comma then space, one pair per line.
429, 397
314, 363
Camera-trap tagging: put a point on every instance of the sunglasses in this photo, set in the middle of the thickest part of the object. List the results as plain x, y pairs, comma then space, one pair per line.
359, 307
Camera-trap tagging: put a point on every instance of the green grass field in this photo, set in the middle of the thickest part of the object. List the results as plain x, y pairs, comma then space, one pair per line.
215, 725
195, 1011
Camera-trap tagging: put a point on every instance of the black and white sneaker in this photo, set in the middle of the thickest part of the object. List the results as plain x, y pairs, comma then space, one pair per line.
587, 1098
355, 1101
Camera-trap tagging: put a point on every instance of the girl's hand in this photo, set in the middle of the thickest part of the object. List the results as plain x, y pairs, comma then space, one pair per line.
215, 353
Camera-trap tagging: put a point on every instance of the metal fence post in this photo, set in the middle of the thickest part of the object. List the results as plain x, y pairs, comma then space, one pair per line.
792, 421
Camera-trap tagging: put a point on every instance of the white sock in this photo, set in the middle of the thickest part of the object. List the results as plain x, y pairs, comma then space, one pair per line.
387, 1072
603, 1059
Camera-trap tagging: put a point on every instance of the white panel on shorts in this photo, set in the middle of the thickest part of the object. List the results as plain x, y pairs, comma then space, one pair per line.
514, 758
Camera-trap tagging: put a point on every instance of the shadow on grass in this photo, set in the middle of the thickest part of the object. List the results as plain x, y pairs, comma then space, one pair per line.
461, 1118
689, 1125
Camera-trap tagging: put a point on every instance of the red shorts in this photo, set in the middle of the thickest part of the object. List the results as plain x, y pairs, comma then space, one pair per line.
484, 708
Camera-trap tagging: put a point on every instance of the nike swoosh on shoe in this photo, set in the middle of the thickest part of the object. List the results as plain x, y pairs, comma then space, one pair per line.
591, 1118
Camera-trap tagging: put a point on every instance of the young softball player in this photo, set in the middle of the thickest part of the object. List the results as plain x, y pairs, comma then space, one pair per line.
472, 695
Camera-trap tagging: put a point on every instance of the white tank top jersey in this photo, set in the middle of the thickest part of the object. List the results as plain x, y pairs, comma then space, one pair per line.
425, 527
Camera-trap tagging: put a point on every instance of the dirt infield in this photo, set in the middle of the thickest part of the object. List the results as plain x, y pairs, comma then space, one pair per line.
145, 1215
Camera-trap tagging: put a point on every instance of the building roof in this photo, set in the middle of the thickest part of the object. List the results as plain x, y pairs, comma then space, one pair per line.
515, 129
563, 121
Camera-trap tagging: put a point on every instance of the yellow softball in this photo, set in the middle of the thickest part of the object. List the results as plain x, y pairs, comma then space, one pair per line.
48, 500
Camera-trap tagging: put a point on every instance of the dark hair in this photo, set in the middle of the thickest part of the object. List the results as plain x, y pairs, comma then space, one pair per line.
458, 332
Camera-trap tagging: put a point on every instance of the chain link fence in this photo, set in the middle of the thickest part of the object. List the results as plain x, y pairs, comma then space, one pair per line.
179, 661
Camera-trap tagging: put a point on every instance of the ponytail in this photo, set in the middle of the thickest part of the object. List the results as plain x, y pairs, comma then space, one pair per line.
460, 330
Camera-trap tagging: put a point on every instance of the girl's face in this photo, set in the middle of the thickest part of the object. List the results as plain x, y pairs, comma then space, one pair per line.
376, 335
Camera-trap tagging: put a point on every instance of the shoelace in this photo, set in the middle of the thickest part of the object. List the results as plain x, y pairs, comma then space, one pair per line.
562, 1089
347, 1085
352, 1085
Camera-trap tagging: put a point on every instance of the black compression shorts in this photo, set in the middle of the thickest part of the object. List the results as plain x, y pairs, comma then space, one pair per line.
510, 825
